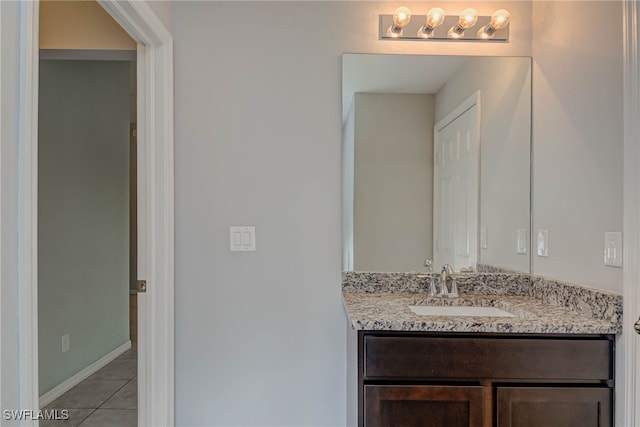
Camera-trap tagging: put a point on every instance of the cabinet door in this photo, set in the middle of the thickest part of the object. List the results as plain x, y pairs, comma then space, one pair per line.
420, 406
554, 407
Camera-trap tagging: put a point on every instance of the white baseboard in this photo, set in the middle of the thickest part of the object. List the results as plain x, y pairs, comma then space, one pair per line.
80, 376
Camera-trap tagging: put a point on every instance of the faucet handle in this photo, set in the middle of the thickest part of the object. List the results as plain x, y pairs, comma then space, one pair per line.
429, 264
432, 287
454, 289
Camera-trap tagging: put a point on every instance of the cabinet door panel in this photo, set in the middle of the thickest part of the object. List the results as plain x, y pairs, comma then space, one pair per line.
554, 407
419, 406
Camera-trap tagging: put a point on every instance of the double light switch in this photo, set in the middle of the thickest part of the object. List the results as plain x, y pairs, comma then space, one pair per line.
242, 238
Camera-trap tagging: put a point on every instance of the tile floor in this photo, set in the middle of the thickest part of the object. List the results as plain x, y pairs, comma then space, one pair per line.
108, 398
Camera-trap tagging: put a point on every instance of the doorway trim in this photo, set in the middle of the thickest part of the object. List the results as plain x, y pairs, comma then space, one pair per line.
629, 374
155, 207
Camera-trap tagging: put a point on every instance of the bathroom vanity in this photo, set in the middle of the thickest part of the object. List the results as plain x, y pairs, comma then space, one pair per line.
406, 378
514, 349
547, 364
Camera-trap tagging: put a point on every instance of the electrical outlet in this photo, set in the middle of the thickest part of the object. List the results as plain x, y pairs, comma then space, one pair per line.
543, 243
66, 343
521, 241
613, 249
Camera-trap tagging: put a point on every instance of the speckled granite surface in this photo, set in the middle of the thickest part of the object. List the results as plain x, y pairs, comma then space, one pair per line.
379, 301
588, 302
468, 283
486, 268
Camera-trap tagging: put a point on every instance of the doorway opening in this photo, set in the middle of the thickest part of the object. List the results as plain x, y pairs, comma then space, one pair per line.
87, 222
86, 253
155, 206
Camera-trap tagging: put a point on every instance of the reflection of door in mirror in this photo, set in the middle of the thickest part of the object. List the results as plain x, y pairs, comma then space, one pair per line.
456, 161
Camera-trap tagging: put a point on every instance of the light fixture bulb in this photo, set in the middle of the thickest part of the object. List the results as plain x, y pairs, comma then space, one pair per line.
468, 18
401, 17
500, 19
435, 17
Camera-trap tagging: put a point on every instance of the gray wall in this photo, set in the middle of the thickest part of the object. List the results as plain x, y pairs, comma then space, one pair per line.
577, 128
260, 336
163, 11
393, 186
83, 214
505, 147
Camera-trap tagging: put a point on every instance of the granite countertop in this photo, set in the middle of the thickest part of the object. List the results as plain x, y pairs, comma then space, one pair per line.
374, 301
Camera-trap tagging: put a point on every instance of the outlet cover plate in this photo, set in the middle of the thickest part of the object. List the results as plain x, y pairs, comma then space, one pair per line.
483, 238
613, 249
521, 241
66, 343
542, 241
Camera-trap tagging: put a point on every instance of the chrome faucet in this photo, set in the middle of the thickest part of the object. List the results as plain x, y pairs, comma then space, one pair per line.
446, 272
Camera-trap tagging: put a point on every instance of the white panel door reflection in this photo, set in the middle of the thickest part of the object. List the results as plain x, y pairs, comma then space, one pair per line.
456, 189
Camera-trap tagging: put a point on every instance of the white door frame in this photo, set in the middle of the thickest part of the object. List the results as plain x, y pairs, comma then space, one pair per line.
628, 387
155, 208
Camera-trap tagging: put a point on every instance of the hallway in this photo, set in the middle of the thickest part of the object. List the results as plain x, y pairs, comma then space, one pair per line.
105, 399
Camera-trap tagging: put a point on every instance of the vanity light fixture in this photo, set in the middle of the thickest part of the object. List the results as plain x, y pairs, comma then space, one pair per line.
499, 20
401, 17
437, 25
467, 19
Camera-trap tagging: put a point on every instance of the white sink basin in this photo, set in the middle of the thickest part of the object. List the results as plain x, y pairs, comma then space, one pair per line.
451, 310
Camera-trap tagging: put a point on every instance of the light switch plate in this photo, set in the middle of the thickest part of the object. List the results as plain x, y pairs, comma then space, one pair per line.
542, 241
613, 249
242, 238
521, 241
483, 238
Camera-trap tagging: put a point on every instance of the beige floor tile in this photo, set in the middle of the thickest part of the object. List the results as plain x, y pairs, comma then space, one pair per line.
112, 418
88, 394
76, 416
125, 398
129, 354
113, 390
119, 369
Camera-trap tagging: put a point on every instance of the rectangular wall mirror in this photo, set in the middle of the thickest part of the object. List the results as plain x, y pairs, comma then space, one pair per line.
437, 162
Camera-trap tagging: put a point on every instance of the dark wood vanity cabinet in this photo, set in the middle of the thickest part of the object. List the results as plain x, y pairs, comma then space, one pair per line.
554, 406
412, 405
431, 379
